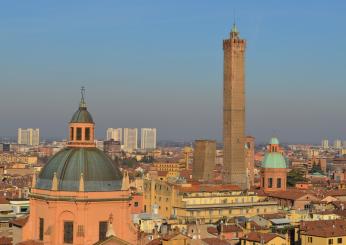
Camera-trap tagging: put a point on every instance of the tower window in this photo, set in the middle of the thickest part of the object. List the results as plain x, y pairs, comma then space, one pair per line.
71, 133
41, 229
87, 133
79, 133
68, 232
278, 183
103, 225
270, 183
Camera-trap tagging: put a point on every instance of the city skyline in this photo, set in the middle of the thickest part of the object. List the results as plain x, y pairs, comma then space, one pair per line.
291, 97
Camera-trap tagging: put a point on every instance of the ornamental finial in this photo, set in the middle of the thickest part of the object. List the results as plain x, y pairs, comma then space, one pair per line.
82, 103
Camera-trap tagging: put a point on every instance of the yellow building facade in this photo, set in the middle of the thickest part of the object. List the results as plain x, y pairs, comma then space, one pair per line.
206, 203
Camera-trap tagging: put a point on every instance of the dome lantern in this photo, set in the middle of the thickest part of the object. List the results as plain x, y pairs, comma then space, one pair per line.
82, 126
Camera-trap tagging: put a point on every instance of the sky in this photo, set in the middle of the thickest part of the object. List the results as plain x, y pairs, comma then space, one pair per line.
160, 64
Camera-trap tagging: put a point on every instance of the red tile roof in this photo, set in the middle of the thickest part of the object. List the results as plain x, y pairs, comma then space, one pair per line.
324, 228
20, 222
208, 188
156, 241
5, 241
258, 237
289, 194
225, 229
30, 242
215, 241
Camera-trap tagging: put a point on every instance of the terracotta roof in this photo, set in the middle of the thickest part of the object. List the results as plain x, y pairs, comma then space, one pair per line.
334, 193
289, 194
162, 173
324, 228
5, 241
20, 222
208, 188
4, 201
215, 241
225, 229
171, 236
30, 242
111, 240
156, 241
258, 237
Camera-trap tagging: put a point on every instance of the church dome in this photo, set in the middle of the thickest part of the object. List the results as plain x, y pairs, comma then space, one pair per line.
98, 171
82, 115
80, 166
274, 141
274, 160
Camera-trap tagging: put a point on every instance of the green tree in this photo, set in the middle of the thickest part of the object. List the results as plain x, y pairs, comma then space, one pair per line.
295, 176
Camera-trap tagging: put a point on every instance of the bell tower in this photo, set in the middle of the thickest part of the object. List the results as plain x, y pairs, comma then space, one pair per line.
234, 110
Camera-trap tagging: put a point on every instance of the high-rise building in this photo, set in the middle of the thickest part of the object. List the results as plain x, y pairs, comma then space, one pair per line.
234, 110
337, 144
148, 138
115, 134
325, 144
29, 136
204, 157
130, 139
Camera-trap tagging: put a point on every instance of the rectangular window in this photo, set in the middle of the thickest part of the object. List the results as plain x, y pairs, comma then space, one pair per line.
330, 241
80, 231
309, 239
278, 183
68, 232
102, 230
41, 229
136, 204
270, 183
71, 133
340, 240
263, 182
79, 133
87, 134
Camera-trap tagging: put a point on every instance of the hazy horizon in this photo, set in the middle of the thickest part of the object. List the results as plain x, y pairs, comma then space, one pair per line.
160, 65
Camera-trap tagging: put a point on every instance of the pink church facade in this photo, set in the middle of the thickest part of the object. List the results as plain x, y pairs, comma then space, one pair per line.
78, 197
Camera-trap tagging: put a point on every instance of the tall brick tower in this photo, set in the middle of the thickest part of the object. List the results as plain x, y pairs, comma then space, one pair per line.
234, 110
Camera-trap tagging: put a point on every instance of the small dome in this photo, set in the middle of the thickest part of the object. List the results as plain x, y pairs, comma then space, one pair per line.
274, 160
274, 141
99, 172
82, 116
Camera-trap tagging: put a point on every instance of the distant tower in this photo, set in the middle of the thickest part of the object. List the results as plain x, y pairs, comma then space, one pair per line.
204, 157
274, 169
250, 159
234, 110
325, 144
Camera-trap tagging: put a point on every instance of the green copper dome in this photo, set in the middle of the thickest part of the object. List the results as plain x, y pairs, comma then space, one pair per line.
82, 116
274, 160
99, 172
274, 141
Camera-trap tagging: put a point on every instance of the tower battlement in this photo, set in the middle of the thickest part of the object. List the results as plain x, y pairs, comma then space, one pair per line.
234, 43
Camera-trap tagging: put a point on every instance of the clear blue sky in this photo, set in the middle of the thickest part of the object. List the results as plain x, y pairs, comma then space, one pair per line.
159, 64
